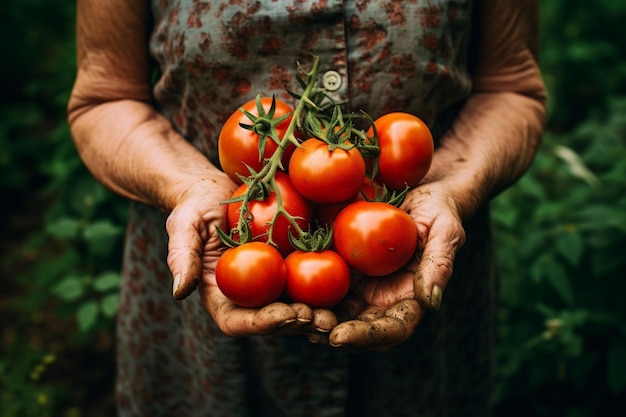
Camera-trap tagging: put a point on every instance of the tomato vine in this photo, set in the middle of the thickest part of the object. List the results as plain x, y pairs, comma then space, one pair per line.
317, 116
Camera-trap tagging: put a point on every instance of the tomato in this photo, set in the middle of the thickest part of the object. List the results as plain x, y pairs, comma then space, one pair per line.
406, 150
251, 275
375, 238
326, 213
238, 146
326, 176
261, 213
318, 279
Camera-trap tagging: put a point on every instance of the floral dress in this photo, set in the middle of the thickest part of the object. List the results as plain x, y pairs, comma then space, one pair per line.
378, 56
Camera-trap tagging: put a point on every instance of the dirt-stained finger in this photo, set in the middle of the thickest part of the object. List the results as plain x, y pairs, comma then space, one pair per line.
246, 321
324, 320
237, 321
371, 313
395, 327
408, 311
357, 335
304, 313
304, 318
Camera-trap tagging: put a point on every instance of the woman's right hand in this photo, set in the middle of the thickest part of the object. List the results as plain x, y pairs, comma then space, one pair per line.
193, 251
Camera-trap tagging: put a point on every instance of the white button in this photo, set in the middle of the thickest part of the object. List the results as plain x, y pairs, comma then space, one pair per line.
331, 80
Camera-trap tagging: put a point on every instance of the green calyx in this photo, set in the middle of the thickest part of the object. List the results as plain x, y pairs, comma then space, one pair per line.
382, 194
265, 123
316, 241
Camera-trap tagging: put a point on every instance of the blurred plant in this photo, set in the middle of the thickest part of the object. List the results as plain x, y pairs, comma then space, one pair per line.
560, 230
582, 55
19, 394
61, 230
77, 249
565, 222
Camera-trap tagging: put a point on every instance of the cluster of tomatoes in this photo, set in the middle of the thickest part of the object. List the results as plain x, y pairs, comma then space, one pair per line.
309, 210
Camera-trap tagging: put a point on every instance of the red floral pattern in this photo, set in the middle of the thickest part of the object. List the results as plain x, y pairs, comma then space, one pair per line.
215, 55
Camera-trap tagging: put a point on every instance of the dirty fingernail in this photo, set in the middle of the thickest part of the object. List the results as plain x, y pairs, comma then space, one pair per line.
435, 297
177, 280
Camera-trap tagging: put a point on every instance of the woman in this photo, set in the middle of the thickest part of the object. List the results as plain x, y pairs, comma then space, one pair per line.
467, 69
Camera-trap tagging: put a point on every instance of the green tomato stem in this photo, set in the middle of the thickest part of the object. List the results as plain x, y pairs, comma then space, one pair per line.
289, 137
266, 176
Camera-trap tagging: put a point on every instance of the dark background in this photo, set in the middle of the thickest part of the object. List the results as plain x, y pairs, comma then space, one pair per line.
561, 230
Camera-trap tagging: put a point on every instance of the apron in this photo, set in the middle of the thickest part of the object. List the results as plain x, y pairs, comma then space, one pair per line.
379, 56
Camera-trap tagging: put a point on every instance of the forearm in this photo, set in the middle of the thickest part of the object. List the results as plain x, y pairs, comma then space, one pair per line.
495, 137
490, 145
122, 139
134, 151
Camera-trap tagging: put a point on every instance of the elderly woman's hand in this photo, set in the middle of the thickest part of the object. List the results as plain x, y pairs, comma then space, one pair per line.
193, 252
383, 312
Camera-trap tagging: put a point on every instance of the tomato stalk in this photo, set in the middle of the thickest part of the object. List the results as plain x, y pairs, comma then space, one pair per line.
280, 211
314, 117
261, 184
275, 162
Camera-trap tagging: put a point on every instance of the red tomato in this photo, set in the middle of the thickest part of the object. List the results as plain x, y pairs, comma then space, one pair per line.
261, 213
318, 279
324, 176
406, 150
251, 275
375, 238
326, 213
238, 146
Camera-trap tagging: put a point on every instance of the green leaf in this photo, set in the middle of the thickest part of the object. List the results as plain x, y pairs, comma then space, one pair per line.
64, 228
102, 229
572, 344
69, 289
537, 270
107, 281
102, 238
616, 364
109, 305
87, 315
545, 310
570, 245
505, 217
600, 217
532, 187
558, 278
576, 166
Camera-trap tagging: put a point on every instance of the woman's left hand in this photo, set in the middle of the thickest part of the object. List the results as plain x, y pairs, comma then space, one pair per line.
383, 312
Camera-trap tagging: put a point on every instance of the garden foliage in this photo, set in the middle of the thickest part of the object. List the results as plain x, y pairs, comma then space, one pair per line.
561, 229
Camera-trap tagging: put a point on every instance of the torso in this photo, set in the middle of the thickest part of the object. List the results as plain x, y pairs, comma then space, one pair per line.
215, 55
391, 55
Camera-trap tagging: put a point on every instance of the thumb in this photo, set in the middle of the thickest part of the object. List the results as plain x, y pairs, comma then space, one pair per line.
184, 254
436, 265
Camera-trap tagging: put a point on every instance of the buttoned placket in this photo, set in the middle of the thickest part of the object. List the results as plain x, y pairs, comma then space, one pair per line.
333, 74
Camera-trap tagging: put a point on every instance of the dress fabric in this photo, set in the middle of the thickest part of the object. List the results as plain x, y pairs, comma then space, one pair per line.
212, 57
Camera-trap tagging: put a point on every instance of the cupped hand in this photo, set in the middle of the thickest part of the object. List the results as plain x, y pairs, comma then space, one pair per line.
193, 251
383, 312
